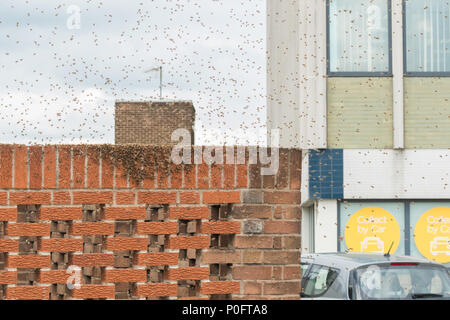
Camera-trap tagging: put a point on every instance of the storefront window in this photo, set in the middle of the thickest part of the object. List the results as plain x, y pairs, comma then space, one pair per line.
430, 222
416, 228
372, 227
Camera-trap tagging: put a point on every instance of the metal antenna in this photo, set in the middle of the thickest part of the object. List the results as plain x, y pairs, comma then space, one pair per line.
388, 254
160, 79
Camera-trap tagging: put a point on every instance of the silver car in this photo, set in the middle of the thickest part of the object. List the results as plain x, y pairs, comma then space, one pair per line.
359, 276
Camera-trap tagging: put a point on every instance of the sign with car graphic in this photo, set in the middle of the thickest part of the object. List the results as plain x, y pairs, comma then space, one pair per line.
372, 229
432, 234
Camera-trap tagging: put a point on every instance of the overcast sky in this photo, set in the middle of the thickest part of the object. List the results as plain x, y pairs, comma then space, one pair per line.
59, 82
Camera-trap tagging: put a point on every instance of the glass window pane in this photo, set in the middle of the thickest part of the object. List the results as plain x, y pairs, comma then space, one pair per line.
359, 36
430, 230
318, 280
427, 36
304, 267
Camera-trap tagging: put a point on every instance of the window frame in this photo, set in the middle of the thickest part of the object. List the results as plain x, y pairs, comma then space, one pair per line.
388, 73
417, 74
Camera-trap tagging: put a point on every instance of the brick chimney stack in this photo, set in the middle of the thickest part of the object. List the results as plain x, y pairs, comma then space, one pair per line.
152, 122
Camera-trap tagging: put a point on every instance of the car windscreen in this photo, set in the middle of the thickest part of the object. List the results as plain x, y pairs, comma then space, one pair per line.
402, 281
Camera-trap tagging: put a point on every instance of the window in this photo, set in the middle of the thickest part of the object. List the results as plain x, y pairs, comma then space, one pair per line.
303, 268
427, 36
318, 280
359, 37
419, 228
372, 226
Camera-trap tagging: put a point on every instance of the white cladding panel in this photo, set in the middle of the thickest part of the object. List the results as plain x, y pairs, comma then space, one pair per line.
313, 74
283, 71
397, 73
326, 226
305, 178
396, 174
296, 72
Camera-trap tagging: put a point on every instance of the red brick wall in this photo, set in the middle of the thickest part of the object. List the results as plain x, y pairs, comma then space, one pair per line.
152, 122
202, 232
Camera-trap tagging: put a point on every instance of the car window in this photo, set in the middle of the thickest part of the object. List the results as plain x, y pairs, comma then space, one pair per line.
402, 282
303, 267
318, 280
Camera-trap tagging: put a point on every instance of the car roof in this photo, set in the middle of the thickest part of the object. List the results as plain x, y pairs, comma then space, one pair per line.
353, 260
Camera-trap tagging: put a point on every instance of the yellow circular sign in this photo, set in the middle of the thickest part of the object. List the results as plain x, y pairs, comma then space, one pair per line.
432, 234
373, 230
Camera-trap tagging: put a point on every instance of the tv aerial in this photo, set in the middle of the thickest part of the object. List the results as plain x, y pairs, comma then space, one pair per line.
160, 79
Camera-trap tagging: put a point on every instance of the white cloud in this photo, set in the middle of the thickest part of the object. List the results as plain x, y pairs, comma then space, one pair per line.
60, 85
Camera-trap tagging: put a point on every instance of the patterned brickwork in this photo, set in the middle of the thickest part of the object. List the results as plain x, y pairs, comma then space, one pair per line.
70, 216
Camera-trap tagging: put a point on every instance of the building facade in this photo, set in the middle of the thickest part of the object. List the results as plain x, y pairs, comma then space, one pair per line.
363, 87
153, 122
